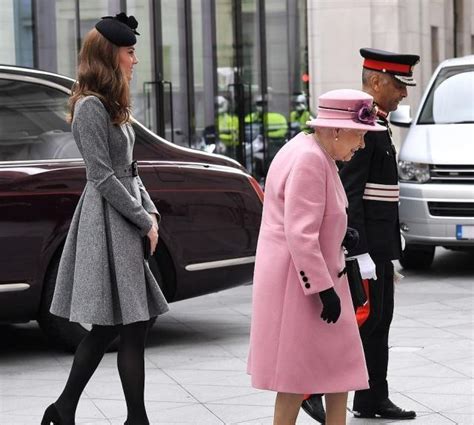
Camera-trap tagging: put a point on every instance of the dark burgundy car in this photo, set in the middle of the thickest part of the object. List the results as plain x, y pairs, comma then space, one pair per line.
210, 206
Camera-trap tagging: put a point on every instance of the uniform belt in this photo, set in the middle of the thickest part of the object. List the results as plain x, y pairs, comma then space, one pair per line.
127, 170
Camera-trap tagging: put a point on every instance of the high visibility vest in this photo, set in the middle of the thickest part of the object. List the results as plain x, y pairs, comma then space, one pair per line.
276, 125
228, 129
300, 118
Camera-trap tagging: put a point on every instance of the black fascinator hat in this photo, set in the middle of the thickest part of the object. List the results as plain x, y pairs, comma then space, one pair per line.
119, 29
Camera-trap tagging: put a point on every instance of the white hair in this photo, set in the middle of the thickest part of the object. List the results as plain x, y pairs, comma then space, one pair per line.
368, 74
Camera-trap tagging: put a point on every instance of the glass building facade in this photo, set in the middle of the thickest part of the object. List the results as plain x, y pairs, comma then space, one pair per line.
219, 75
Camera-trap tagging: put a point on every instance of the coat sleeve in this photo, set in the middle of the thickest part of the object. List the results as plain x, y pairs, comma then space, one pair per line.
91, 127
147, 203
354, 175
304, 204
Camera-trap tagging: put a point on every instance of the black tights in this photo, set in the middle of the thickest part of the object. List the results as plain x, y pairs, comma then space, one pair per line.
130, 362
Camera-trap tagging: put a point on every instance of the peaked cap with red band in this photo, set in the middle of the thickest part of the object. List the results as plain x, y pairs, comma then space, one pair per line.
399, 65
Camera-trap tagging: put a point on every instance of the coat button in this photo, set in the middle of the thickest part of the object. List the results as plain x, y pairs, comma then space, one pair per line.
302, 273
307, 285
305, 279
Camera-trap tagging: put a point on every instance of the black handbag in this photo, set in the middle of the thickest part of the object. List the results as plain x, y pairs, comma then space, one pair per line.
146, 247
356, 287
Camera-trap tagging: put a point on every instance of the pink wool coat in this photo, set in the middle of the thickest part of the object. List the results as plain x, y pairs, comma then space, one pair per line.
299, 254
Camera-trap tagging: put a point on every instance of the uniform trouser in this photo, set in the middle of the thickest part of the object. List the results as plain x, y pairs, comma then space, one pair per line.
374, 334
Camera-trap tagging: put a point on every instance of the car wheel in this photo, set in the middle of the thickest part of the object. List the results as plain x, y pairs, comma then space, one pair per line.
417, 257
61, 332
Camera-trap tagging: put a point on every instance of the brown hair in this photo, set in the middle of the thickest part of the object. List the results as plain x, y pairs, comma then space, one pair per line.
99, 74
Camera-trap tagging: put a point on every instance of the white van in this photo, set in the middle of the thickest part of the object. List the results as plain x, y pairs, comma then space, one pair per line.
436, 166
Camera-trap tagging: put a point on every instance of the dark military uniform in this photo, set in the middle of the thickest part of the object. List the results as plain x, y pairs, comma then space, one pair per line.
371, 183
370, 179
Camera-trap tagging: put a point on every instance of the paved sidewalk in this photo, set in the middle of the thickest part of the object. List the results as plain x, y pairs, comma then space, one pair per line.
196, 360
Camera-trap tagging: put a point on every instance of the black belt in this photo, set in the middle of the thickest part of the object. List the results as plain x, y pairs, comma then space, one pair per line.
127, 170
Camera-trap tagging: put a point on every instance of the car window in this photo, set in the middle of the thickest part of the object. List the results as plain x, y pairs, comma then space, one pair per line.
33, 123
451, 99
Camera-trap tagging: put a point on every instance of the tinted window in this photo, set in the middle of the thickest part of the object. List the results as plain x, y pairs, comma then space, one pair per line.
33, 123
451, 99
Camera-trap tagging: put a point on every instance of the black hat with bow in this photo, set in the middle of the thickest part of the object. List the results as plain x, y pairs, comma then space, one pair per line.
119, 29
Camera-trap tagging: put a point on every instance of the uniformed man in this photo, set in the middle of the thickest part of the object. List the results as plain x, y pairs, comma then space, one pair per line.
371, 183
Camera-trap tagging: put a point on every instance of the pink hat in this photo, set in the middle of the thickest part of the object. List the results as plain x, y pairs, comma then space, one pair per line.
346, 108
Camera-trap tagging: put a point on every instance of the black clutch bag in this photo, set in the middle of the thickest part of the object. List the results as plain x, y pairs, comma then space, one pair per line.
146, 247
351, 239
356, 286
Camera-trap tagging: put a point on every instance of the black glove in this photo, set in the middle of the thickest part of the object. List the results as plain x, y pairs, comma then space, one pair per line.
351, 240
331, 305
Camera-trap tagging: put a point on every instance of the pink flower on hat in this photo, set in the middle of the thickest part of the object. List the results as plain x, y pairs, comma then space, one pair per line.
367, 114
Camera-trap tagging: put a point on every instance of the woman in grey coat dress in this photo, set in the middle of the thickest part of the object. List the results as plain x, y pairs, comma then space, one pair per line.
103, 277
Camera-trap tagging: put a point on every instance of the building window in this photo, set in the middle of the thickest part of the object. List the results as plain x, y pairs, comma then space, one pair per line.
434, 48
16, 32
23, 32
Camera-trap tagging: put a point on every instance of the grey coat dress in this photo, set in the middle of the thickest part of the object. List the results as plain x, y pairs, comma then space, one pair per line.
103, 278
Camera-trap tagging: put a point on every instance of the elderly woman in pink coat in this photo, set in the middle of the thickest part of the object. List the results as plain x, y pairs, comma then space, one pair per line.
304, 336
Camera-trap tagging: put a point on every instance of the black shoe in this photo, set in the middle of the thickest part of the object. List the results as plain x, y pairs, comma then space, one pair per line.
52, 416
313, 406
385, 410
143, 421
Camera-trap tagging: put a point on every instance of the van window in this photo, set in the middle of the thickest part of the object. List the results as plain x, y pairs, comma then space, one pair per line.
451, 98
33, 123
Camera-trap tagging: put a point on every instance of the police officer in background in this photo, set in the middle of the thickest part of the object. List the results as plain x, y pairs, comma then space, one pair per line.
299, 115
264, 130
227, 127
371, 183
276, 125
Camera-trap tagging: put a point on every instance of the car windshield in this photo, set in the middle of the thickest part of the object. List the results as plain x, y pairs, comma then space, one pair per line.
451, 99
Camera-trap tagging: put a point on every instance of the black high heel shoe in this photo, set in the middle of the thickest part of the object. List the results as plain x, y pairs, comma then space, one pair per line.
128, 423
52, 416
